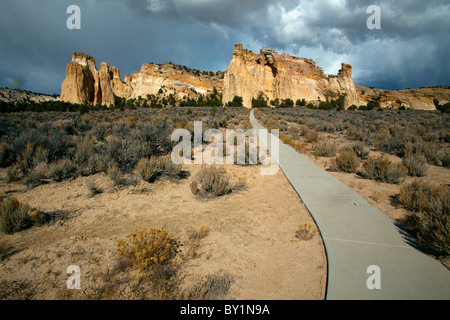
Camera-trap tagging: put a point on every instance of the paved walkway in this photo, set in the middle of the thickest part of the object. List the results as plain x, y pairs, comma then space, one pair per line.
357, 235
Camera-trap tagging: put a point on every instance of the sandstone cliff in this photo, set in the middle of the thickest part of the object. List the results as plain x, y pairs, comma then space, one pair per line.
283, 76
85, 85
275, 75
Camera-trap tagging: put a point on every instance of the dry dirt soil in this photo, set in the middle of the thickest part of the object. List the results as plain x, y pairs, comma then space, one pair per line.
251, 238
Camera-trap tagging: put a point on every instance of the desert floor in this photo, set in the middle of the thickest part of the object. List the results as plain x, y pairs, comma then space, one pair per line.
251, 240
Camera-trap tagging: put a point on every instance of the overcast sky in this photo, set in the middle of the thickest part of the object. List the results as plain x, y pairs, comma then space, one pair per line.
411, 49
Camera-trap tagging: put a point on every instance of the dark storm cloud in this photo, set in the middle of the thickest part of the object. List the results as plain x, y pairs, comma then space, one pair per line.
409, 51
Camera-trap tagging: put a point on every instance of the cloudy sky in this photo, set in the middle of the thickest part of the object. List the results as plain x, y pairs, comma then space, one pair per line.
410, 50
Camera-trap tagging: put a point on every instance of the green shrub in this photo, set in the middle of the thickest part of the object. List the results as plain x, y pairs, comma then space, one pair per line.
211, 182
430, 221
236, 102
382, 169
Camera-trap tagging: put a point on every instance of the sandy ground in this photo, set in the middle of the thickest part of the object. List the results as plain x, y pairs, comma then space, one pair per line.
251, 236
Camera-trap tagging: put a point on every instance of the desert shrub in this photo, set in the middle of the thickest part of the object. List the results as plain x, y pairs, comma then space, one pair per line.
199, 233
325, 149
84, 151
62, 170
430, 150
6, 155
147, 248
12, 174
115, 175
382, 169
211, 182
446, 159
416, 164
37, 175
26, 160
305, 232
346, 161
168, 168
93, 188
360, 149
312, 136
14, 216
393, 143
147, 169
96, 163
430, 221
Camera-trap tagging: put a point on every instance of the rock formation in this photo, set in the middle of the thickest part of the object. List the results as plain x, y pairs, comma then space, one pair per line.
249, 74
283, 76
418, 99
85, 85
79, 85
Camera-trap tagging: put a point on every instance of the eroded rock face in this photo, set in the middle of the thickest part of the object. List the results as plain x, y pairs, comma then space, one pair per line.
275, 75
284, 76
79, 85
85, 85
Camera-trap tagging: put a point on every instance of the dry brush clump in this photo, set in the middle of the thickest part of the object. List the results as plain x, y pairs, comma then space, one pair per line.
150, 169
384, 170
346, 161
325, 149
429, 221
147, 248
305, 232
211, 182
416, 164
16, 216
360, 149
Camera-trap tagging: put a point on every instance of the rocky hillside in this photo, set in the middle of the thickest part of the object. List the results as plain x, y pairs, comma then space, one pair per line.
420, 99
22, 96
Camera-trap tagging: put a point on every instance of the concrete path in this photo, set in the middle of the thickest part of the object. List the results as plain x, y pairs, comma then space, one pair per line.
357, 235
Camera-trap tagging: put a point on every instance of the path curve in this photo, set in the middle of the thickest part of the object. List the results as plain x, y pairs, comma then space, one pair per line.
357, 236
